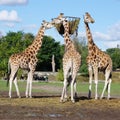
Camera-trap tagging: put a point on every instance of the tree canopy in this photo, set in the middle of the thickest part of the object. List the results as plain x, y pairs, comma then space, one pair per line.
115, 55
15, 42
49, 47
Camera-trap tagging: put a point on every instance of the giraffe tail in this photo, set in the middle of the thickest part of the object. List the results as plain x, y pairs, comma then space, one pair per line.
8, 73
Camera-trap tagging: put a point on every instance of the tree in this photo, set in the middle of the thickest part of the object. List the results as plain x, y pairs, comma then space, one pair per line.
81, 47
13, 42
115, 56
49, 48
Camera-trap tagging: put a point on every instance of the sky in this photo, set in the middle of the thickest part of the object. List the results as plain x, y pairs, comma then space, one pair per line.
27, 16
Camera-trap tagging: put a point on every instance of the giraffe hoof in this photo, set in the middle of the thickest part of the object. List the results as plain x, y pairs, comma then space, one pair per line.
27, 96
19, 96
76, 96
96, 98
108, 98
101, 98
61, 101
73, 101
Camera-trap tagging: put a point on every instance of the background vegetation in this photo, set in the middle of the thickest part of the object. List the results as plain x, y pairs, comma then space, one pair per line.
15, 42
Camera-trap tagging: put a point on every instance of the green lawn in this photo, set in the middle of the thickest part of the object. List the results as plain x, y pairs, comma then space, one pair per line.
82, 87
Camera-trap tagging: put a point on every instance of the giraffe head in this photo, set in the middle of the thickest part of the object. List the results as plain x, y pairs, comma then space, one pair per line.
59, 19
47, 25
88, 18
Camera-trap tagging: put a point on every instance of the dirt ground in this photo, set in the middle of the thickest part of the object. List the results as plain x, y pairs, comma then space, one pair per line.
48, 107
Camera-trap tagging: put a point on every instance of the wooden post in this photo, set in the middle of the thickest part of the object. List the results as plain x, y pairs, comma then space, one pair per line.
53, 63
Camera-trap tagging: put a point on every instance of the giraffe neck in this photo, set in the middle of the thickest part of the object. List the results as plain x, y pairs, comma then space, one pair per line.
89, 37
37, 43
68, 42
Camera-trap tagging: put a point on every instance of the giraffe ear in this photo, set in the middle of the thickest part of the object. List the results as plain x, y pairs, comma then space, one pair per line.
43, 22
66, 20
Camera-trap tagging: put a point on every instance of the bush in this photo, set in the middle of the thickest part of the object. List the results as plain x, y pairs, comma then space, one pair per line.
59, 75
84, 68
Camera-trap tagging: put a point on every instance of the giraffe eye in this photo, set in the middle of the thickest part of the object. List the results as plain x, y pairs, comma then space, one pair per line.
65, 20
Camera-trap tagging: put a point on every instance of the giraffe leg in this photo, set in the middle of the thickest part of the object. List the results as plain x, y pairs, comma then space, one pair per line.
27, 86
105, 86
10, 85
64, 95
72, 90
109, 87
30, 84
29, 81
64, 91
75, 89
73, 82
12, 76
16, 86
96, 82
90, 81
107, 82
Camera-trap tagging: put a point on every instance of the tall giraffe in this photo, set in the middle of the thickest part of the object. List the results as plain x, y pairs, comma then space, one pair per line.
71, 60
27, 60
97, 61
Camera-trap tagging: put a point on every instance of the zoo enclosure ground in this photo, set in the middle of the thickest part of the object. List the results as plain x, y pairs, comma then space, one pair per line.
45, 104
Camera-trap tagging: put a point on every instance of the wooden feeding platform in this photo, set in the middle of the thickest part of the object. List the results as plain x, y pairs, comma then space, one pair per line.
73, 25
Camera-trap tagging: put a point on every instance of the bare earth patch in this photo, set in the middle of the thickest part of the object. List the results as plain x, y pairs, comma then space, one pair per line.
47, 107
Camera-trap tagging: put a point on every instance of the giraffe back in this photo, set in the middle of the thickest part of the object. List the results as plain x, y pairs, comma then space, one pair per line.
72, 56
98, 58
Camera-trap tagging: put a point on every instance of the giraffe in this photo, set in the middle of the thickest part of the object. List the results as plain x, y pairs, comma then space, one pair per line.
26, 60
71, 60
97, 61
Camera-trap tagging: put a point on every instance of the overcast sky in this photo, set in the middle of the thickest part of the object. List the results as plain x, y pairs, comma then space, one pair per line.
27, 15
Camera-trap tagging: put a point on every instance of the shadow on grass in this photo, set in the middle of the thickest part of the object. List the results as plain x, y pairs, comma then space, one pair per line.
4, 94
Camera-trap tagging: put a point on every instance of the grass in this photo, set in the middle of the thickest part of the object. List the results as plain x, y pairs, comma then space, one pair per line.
44, 106
56, 87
